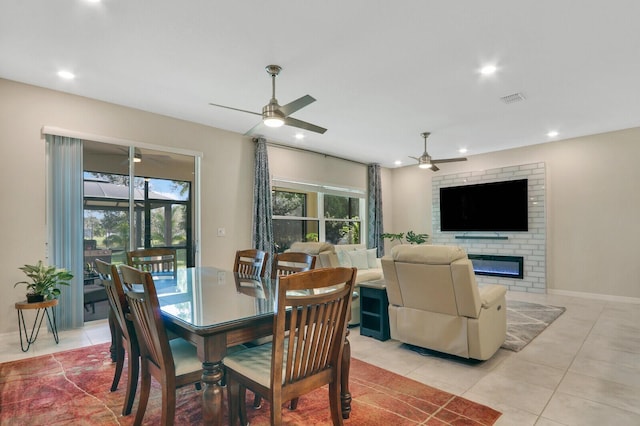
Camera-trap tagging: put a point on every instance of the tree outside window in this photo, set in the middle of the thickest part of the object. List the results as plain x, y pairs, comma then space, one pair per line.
296, 217
106, 213
342, 224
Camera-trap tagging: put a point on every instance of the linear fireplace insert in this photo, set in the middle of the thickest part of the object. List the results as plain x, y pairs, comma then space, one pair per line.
498, 266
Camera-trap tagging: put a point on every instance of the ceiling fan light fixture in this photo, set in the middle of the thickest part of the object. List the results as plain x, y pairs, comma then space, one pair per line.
424, 162
274, 115
137, 158
273, 121
271, 116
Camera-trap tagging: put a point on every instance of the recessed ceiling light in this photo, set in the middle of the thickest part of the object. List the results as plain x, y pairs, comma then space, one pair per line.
552, 133
488, 69
397, 162
462, 150
299, 136
67, 75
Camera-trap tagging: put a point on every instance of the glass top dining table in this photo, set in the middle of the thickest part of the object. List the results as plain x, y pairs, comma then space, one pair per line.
207, 296
216, 309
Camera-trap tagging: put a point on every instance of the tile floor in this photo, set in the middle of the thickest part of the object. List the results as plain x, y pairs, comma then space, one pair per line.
582, 370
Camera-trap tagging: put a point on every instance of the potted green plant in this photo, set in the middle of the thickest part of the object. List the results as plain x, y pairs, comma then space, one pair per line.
411, 237
44, 281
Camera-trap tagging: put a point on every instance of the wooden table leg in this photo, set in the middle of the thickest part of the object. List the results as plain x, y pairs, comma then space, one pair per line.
212, 408
345, 394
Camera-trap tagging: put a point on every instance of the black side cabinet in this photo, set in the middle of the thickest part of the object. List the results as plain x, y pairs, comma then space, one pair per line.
374, 310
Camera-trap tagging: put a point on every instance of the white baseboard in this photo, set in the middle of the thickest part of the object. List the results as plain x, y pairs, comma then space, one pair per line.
607, 297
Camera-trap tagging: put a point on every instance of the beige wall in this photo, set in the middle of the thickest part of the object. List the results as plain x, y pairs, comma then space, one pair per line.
226, 178
24, 110
593, 205
592, 200
409, 202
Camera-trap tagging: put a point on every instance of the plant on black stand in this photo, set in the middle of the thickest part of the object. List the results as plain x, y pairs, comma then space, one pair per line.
44, 281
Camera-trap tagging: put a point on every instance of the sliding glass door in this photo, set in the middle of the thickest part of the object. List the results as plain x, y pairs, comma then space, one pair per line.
134, 198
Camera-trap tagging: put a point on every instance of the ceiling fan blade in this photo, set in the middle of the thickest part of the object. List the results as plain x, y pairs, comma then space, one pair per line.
294, 106
434, 168
253, 130
449, 160
415, 158
304, 125
236, 109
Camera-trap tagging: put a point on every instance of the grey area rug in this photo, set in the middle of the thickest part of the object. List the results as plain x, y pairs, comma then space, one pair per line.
525, 321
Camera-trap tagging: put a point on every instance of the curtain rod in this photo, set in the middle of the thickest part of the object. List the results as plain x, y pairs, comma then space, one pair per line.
295, 148
57, 131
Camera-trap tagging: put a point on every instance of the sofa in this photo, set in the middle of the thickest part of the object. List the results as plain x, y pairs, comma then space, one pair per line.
435, 302
347, 255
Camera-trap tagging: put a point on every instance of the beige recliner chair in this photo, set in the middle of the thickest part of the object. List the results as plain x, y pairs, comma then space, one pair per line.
435, 302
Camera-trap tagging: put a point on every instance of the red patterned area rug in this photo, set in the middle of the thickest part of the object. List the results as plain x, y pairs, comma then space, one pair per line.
72, 388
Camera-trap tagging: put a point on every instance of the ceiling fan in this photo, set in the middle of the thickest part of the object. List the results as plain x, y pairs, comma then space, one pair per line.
274, 115
426, 162
139, 156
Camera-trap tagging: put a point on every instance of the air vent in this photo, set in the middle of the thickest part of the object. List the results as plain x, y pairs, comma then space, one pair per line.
516, 97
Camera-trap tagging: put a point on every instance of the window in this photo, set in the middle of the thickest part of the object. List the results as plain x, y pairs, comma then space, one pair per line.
291, 220
342, 219
304, 212
158, 212
162, 215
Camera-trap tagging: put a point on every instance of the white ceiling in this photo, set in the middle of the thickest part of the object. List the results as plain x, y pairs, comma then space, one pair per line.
382, 71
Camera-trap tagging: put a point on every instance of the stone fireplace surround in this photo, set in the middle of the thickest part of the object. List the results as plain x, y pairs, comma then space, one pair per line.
530, 245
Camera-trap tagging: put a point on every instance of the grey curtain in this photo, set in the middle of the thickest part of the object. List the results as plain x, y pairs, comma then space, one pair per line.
374, 209
65, 224
262, 221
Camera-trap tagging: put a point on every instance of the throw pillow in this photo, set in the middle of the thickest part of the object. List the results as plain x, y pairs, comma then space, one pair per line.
359, 259
372, 258
343, 259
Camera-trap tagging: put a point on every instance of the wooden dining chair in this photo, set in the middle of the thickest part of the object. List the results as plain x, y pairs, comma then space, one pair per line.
290, 263
306, 357
286, 264
173, 363
125, 333
157, 261
251, 262
250, 285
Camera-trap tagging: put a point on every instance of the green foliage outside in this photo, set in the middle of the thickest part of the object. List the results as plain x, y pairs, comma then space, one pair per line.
340, 231
342, 224
285, 203
110, 228
350, 232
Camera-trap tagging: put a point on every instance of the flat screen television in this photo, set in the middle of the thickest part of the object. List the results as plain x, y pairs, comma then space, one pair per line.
496, 206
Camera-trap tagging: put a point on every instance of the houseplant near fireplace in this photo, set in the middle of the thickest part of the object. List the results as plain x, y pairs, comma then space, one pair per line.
45, 281
411, 237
